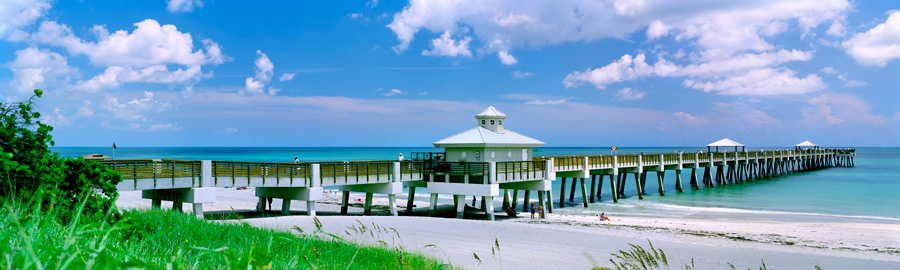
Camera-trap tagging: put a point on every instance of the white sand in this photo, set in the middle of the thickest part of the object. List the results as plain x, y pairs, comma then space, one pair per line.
569, 242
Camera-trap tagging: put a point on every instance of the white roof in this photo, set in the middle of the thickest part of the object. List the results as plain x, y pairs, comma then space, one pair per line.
806, 143
482, 137
491, 112
725, 142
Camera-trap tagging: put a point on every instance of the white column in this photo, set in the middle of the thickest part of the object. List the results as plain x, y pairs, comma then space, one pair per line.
392, 204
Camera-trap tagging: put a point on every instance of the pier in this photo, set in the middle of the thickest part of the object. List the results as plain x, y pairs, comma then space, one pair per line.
478, 162
194, 181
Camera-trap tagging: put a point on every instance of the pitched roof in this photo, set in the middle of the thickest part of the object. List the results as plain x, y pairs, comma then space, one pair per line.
725, 142
806, 143
482, 137
491, 112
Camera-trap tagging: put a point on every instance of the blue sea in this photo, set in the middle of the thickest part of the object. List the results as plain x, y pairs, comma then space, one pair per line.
867, 192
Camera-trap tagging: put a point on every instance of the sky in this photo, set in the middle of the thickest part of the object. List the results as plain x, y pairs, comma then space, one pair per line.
638, 73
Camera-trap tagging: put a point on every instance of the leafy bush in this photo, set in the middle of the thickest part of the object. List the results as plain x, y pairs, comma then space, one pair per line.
28, 167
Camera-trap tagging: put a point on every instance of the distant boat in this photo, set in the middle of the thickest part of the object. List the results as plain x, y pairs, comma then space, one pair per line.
96, 156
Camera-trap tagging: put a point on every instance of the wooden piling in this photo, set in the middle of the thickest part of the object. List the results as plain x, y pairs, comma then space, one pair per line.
660, 175
562, 193
409, 201
612, 188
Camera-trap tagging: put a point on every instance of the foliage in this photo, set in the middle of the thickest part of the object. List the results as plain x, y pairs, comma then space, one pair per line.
28, 169
162, 239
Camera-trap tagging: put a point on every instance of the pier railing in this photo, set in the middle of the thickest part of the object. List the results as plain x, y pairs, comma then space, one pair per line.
238, 173
134, 169
515, 171
356, 172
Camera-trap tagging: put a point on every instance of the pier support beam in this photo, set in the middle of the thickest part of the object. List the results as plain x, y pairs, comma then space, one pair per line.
572, 193
434, 200
694, 183
525, 205
489, 206
460, 205
515, 199
660, 175
549, 200
562, 193
593, 187
179, 196
345, 201
612, 188
541, 206
599, 186
584, 193
640, 189
678, 181
410, 200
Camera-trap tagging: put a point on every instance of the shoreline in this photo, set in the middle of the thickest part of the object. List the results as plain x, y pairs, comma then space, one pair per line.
570, 241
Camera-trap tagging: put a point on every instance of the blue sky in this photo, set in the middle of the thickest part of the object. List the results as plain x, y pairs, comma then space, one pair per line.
385, 73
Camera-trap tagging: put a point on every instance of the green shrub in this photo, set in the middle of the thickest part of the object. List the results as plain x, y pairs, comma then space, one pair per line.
29, 168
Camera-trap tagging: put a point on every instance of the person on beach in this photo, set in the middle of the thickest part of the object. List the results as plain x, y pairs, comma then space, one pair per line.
401, 157
603, 217
532, 210
540, 211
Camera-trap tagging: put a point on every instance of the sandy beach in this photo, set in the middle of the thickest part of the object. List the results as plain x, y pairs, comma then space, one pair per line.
579, 242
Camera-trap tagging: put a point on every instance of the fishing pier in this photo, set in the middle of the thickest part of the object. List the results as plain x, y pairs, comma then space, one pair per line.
478, 162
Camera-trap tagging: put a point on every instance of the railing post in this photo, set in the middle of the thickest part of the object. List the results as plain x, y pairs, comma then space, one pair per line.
316, 175
396, 175
492, 172
551, 172
206, 179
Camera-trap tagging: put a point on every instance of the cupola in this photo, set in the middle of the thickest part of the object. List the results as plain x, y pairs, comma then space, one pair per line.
491, 119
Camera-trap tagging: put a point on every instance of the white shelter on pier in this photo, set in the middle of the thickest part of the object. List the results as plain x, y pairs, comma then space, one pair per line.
807, 144
725, 143
488, 141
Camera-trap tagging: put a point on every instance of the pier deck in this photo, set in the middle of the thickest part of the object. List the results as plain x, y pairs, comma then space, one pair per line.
194, 181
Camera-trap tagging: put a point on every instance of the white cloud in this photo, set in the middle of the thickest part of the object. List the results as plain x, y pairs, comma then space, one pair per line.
286, 77
719, 29
183, 5
164, 127
149, 44
228, 130
358, 16
851, 82
629, 94
264, 72
372, 4
136, 109
446, 46
538, 99
879, 45
761, 82
20, 13
829, 70
394, 92
548, 102
35, 68
657, 29
835, 108
520, 74
506, 58
690, 119
115, 76
737, 69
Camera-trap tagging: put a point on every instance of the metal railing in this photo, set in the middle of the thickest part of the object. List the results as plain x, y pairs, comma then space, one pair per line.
356, 172
134, 169
514, 171
225, 171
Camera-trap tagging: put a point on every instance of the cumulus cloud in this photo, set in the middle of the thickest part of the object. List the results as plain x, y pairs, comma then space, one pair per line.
724, 76
393, 92
115, 76
744, 114
175, 6
879, 45
36, 68
21, 13
761, 82
719, 30
532, 99
286, 77
136, 109
372, 4
264, 72
446, 46
164, 127
690, 119
149, 44
228, 130
506, 58
836, 108
521, 74
629, 94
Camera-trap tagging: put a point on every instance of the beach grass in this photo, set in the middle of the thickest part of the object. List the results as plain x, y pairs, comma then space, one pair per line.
31, 238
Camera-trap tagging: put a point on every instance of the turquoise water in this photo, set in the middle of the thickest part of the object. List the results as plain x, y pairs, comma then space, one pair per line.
869, 191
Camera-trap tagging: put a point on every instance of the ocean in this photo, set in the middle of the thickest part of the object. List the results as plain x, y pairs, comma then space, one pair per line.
867, 192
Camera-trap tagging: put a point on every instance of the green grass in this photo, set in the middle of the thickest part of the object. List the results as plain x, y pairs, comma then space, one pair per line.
160, 239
